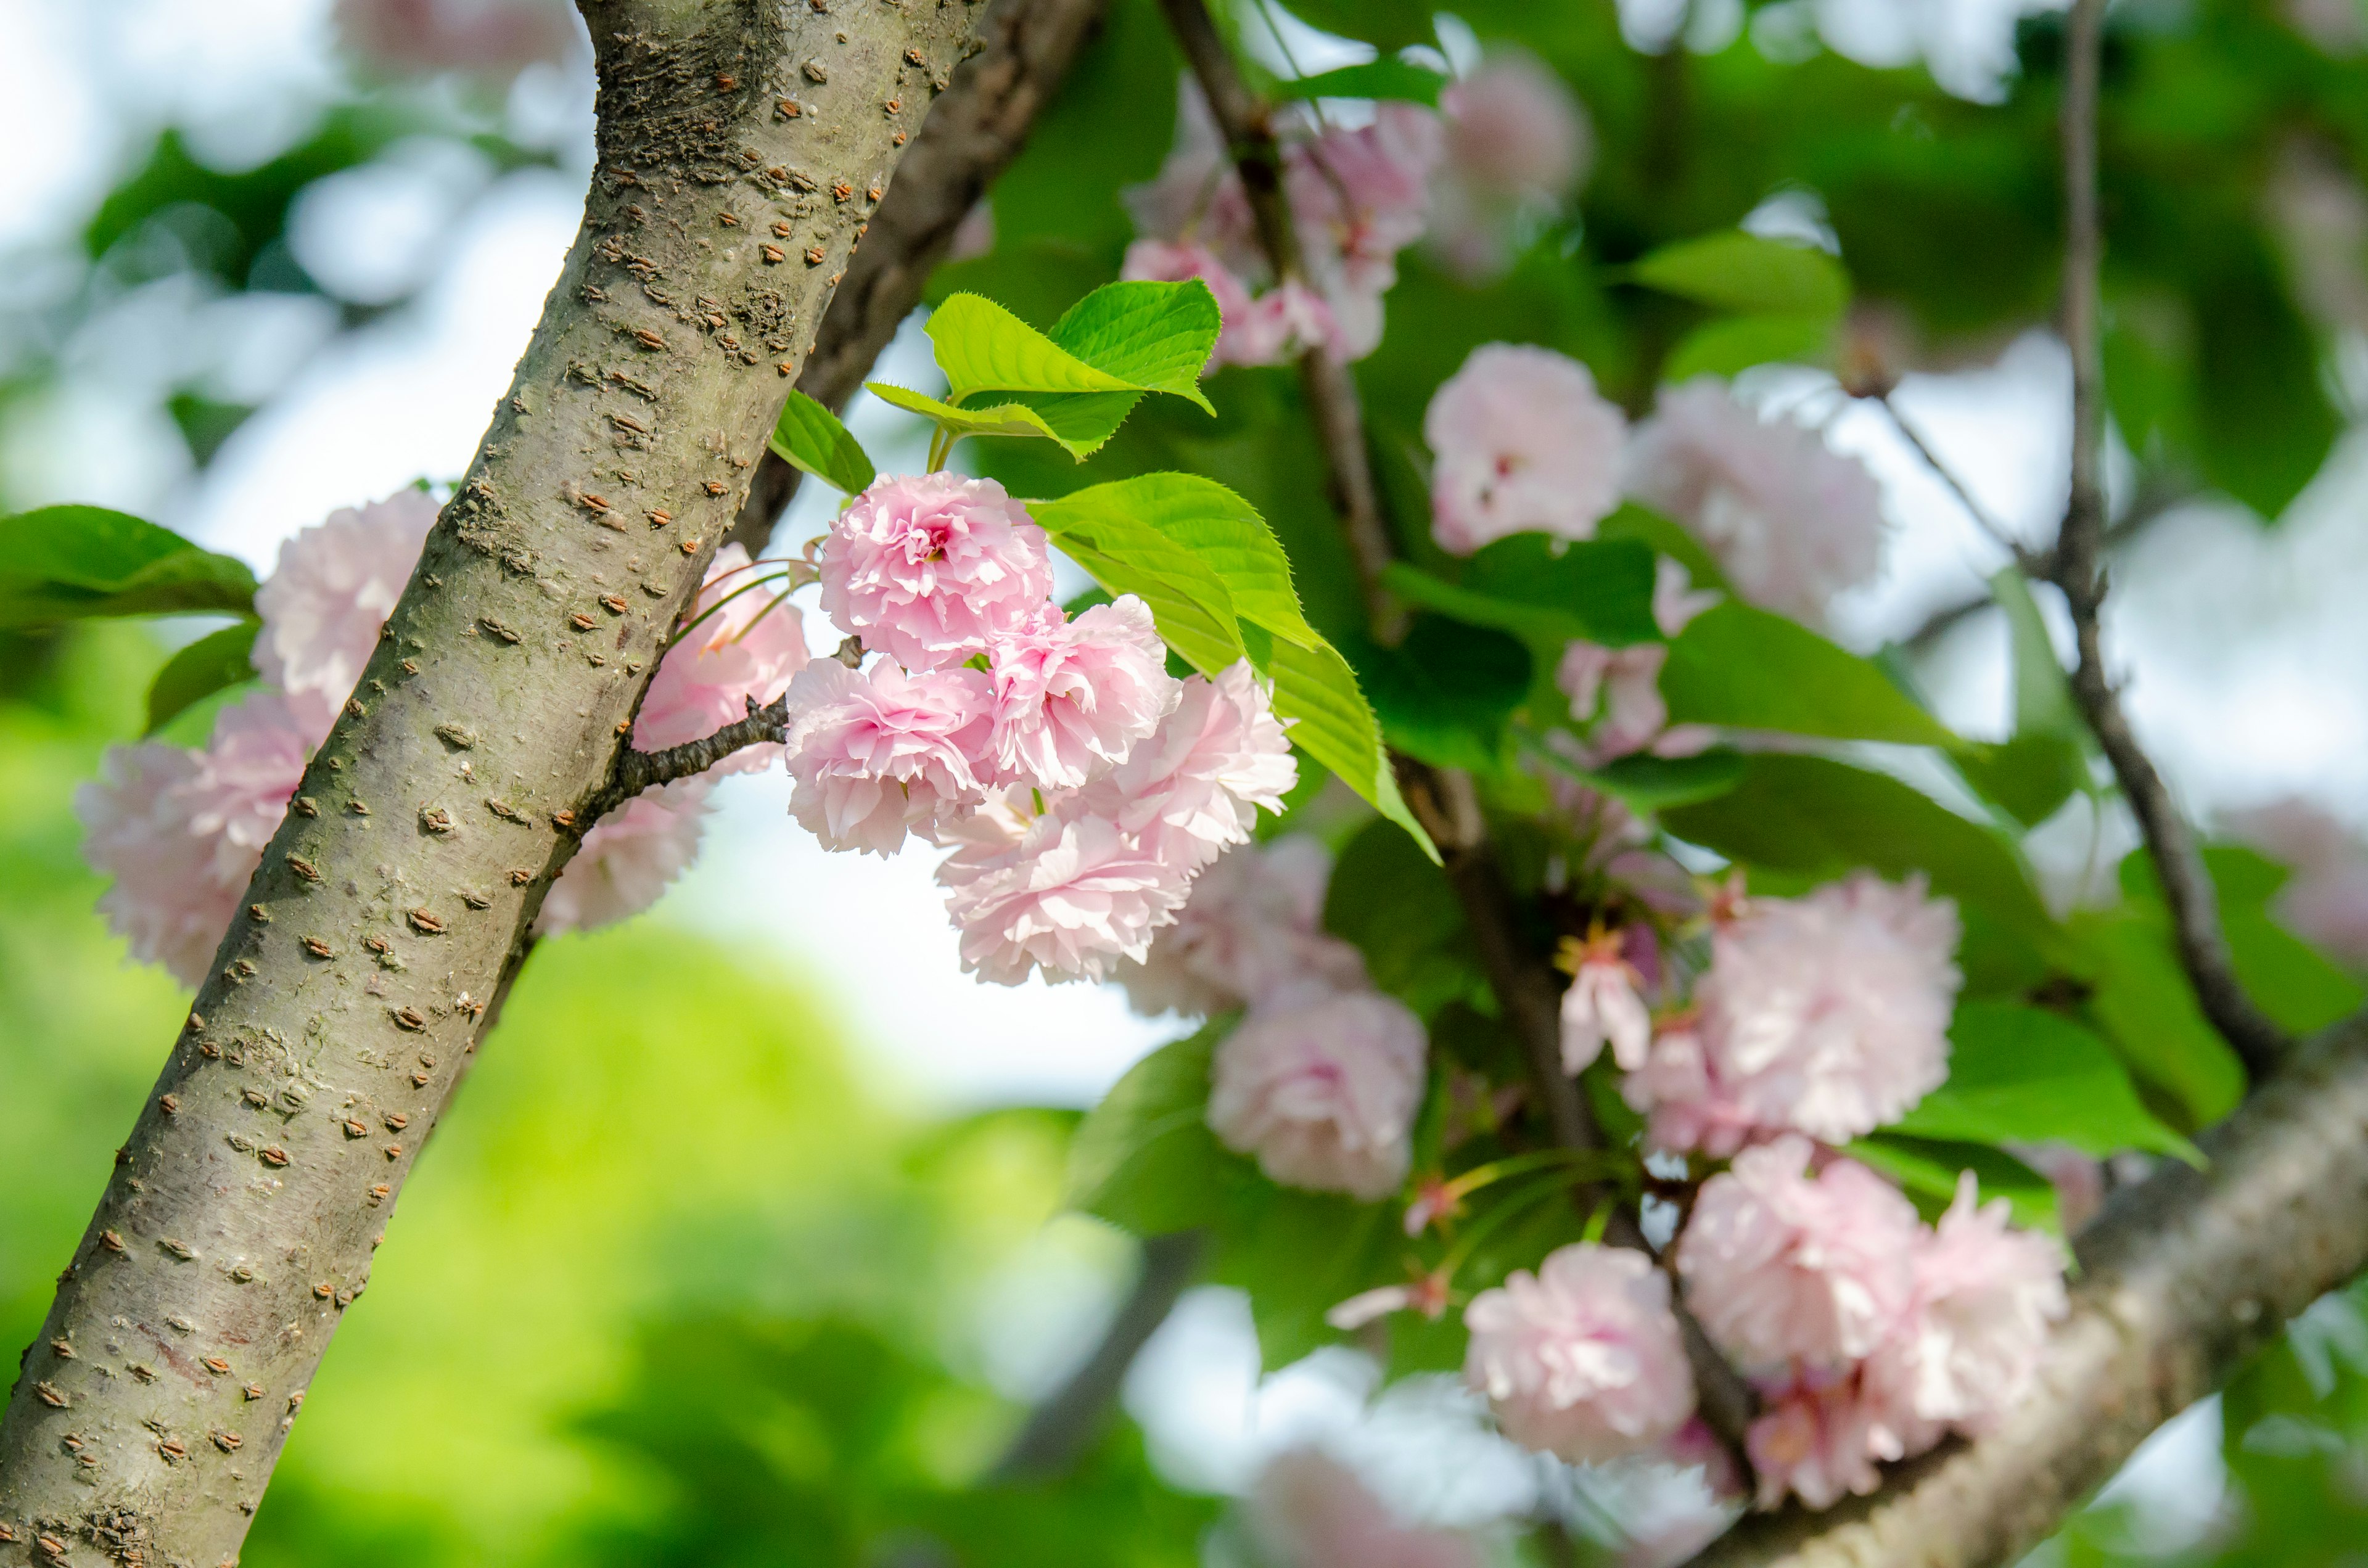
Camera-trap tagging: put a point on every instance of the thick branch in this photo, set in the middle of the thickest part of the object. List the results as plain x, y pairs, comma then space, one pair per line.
974, 129
2183, 1278
1444, 800
394, 900
2187, 889
1061, 1428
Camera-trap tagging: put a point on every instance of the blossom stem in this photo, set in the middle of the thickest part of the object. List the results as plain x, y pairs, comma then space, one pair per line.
2078, 570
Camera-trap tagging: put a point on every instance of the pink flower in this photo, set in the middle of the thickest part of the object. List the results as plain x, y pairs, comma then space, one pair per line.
1311, 1511
1069, 895
1676, 601
1626, 683
1278, 324
1830, 1012
1584, 1359
1251, 926
181, 832
749, 644
1427, 1295
1968, 1347
1069, 697
1323, 1091
1792, 522
1196, 785
2326, 903
1603, 1005
1786, 1269
975, 236
334, 587
1196, 198
1522, 441
879, 755
1162, 261
1364, 195
493, 37
630, 858
1514, 129
1689, 1104
929, 570
1818, 1441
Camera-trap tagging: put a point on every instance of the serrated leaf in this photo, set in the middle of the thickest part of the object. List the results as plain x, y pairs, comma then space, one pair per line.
1598, 591
810, 437
213, 662
1187, 602
1928, 1168
1651, 784
1444, 694
1153, 337
1216, 526
1748, 669
1737, 271
70, 562
2022, 1074
2141, 1001
1388, 77
1726, 345
980, 347
1335, 725
1078, 423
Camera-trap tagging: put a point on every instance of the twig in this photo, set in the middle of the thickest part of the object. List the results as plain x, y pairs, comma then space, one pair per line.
638, 770
2023, 555
1444, 800
1060, 1428
2187, 889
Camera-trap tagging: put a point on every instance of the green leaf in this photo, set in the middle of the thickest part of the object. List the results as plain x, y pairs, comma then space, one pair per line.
1928, 1169
193, 726
1153, 337
809, 437
2020, 1074
2030, 775
1079, 423
1224, 532
1725, 344
1387, 24
1399, 909
68, 563
1737, 271
2042, 695
2140, 999
1651, 784
1141, 1159
1821, 819
1445, 693
2300, 989
1315, 688
1748, 669
1190, 602
213, 661
1603, 586
1666, 537
982, 346
1384, 78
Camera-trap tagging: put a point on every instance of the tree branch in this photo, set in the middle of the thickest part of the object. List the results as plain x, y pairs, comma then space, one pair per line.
2078, 564
1061, 1428
974, 129
1444, 800
392, 903
2182, 1278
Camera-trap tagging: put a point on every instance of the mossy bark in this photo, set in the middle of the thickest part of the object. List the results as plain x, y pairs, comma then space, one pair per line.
743, 145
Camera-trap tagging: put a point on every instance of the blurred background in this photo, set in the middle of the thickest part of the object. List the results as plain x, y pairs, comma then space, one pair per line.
744, 1244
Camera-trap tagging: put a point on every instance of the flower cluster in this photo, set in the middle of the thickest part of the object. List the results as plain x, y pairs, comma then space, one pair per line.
1516, 144
1522, 441
1357, 197
1080, 787
181, 831
1870, 1334
1311, 1511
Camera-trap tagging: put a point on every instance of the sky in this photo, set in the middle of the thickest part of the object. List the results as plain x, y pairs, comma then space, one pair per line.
2245, 658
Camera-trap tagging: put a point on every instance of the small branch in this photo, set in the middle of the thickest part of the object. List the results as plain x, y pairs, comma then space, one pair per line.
1444, 800
2182, 1278
2022, 555
2187, 889
638, 770
1065, 1425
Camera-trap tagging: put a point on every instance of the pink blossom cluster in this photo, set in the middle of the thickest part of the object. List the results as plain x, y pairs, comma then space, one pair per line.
1826, 1014
1357, 197
181, 831
1870, 1334
1517, 142
1311, 1511
1615, 693
1080, 787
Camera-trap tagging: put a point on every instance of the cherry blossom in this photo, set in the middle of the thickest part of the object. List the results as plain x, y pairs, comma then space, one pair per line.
1311, 1511
1602, 1006
1686, 1101
628, 858
1818, 1440
1068, 698
930, 569
1516, 143
879, 755
1625, 683
1521, 440
496, 36
1583, 1359
1787, 1269
1251, 926
1195, 785
334, 586
1065, 894
1322, 1087
172, 898
746, 644
1790, 522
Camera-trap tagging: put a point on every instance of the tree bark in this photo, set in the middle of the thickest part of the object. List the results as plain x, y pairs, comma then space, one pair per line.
2183, 1278
972, 134
742, 146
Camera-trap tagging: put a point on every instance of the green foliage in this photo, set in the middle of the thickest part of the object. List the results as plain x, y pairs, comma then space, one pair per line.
213, 662
1600, 591
2019, 1075
1928, 1170
1735, 271
809, 437
2140, 1000
1728, 344
2033, 773
1401, 913
69, 562
1752, 669
1383, 78
1820, 819
1651, 784
1445, 693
